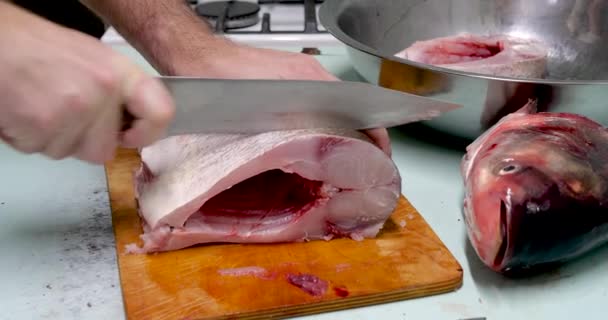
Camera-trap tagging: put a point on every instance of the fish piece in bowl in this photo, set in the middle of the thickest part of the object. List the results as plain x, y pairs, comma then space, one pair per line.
494, 55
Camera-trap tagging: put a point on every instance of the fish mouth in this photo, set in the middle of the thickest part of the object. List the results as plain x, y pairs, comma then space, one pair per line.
500, 257
491, 238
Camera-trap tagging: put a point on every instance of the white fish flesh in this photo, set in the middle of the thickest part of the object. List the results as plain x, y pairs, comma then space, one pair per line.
496, 55
264, 188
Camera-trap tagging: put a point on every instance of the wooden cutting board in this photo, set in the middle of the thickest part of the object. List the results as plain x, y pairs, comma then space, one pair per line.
407, 260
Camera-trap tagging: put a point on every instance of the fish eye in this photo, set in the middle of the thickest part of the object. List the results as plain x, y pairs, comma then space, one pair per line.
509, 168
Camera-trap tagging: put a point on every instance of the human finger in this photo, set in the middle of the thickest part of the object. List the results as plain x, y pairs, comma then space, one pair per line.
150, 103
381, 138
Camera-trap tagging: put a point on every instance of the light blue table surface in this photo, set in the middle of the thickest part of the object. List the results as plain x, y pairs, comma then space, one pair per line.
57, 258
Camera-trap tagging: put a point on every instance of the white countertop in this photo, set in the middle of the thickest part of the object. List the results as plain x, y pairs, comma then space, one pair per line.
58, 257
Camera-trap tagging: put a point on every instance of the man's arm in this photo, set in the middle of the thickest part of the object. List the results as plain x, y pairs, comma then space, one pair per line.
177, 42
167, 33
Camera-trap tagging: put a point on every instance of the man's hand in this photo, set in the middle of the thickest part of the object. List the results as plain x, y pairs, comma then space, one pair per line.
62, 92
242, 62
273, 64
235, 61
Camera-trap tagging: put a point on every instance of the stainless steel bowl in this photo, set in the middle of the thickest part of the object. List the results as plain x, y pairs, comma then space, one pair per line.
577, 81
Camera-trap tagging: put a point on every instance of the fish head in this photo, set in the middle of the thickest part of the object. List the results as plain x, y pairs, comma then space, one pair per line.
524, 177
502, 183
518, 177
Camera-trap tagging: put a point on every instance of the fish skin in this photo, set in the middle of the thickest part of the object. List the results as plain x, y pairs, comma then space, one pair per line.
182, 174
536, 190
494, 55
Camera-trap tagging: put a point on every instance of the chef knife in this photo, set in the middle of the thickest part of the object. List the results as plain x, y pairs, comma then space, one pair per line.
253, 106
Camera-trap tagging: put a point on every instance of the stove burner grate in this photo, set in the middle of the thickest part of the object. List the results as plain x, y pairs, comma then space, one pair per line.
224, 15
227, 16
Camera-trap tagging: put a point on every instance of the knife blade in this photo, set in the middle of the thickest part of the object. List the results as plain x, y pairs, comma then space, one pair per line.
254, 106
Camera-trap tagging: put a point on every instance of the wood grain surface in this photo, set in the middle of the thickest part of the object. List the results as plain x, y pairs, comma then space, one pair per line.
406, 260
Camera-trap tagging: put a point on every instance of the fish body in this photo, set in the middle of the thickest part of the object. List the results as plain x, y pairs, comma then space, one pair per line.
495, 55
536, 190
280, 186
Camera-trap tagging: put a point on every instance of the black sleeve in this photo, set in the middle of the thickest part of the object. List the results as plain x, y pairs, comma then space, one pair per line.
69, 13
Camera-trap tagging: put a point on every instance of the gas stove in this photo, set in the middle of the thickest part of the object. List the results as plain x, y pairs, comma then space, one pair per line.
260, 23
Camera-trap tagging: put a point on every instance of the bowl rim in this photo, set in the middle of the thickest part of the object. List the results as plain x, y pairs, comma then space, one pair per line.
329, 22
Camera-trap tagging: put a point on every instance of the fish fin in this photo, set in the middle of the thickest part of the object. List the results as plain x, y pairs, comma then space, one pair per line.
529, 108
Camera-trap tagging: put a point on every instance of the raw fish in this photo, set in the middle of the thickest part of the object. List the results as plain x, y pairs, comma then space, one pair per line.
536, 190
492, 55
271, 187
309, 283
496, 55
